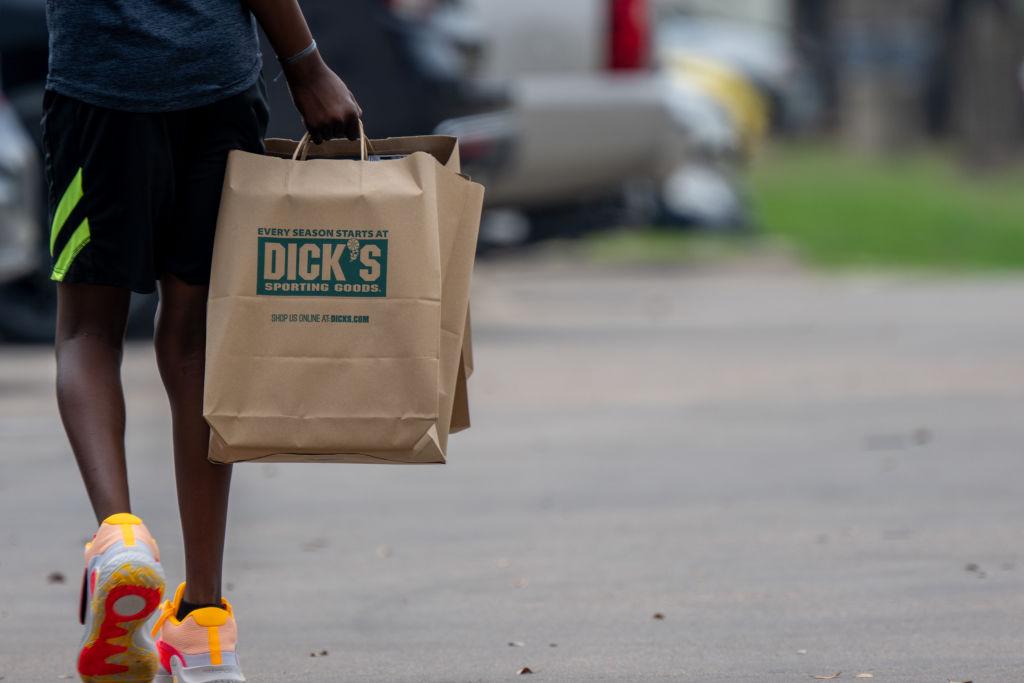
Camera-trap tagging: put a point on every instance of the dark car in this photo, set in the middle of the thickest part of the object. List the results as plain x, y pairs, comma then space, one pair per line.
411, 65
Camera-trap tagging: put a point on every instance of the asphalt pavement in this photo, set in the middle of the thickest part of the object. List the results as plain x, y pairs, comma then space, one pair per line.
749, 474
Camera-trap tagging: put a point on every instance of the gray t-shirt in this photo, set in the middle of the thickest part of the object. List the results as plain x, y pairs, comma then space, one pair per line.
151, 55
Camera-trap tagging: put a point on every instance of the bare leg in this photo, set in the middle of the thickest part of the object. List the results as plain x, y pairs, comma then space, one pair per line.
89, 346
202, 486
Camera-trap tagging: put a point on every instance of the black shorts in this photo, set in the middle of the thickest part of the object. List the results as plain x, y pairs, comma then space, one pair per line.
134, 196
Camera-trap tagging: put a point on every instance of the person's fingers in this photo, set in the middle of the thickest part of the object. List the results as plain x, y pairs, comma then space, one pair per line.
331, 130
338, 129
352, 128
341, 124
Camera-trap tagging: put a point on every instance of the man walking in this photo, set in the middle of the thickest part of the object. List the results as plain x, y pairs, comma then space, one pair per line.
144, 101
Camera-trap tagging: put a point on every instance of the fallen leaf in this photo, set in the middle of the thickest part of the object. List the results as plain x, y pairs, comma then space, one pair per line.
55, 577
516, 643
525, 670
659, 616
323, 653
828, 677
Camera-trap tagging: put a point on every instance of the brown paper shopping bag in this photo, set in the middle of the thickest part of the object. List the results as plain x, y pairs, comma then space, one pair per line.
338, 318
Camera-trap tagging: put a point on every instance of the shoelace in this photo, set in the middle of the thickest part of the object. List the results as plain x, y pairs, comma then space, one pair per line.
166, 610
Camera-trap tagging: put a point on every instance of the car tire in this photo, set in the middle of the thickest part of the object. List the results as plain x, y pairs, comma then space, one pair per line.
703, 197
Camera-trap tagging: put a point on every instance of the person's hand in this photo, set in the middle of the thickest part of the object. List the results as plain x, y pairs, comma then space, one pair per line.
325, 103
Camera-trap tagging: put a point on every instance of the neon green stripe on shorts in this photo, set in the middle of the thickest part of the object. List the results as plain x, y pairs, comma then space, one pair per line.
67, 204
79, 238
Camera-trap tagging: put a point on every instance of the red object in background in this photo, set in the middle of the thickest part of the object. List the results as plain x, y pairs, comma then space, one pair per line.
630, 35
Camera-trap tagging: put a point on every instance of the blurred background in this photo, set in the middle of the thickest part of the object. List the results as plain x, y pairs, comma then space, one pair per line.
845, 131
749, 374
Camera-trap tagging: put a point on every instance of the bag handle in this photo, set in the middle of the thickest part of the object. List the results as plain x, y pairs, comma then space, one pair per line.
302, 149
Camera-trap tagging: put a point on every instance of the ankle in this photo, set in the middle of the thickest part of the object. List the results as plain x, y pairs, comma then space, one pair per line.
186, 608
202, 592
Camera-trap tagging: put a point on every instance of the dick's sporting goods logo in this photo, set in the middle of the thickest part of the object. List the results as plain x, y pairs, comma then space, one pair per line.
322, 262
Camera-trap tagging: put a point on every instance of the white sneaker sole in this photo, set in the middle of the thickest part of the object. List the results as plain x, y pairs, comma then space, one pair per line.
201, 674
115, 647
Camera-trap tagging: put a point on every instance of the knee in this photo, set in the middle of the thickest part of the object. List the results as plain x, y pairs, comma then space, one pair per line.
98, 337
78, 345
89, 333
90, 319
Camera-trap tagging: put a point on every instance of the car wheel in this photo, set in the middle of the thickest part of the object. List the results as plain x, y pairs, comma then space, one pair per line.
703, 197
503, 228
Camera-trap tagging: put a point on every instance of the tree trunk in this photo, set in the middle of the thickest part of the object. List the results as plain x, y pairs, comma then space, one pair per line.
884, 49
988, 100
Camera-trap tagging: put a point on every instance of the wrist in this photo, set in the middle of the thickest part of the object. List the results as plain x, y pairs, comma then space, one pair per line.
300, 55
305, 69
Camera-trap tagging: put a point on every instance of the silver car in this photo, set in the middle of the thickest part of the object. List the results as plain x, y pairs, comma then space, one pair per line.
19, 199
591, 112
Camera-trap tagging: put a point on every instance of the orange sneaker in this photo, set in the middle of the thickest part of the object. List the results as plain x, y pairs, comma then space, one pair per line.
200, 648
121, 589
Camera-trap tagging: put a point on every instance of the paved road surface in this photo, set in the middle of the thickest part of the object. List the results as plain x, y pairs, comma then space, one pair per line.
803, 474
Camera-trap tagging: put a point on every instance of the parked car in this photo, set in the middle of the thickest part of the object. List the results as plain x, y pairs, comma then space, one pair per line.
594, 122
23, 57
761, 53
411, 64
735, 77
26, 298
634, 110
18, 197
